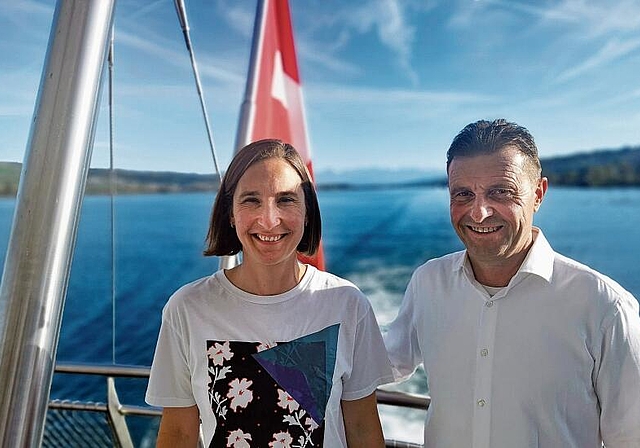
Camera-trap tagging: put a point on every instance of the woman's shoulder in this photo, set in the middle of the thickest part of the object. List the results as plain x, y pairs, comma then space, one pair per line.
330, 280
192, 292
334, 286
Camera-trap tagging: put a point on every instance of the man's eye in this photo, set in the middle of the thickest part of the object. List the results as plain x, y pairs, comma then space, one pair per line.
501, 192
462, 196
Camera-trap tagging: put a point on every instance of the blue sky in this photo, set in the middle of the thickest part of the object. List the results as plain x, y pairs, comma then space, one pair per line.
386, 83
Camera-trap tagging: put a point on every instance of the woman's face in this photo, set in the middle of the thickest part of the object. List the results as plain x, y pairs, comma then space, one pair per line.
269, 212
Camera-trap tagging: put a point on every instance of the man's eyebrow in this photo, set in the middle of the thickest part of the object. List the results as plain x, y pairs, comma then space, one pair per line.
457, 189
248, 193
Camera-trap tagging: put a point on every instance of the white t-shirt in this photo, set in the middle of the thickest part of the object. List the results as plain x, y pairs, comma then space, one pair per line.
551, 360
266, 369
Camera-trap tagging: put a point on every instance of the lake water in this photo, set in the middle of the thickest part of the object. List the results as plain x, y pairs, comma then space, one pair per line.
373, 238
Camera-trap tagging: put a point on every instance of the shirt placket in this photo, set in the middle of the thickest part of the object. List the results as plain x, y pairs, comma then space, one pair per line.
484, 368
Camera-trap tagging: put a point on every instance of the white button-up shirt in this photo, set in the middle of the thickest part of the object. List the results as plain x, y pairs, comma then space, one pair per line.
551, 360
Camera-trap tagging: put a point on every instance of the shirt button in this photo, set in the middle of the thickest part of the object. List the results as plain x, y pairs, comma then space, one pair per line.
489, 303
481, 403
484, 352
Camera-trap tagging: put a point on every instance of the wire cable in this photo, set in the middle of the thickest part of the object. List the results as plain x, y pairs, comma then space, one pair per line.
112, 191
184, 24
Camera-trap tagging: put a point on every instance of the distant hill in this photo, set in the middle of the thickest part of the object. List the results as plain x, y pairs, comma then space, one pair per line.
127, 181
9, 177
367, 176
601, 168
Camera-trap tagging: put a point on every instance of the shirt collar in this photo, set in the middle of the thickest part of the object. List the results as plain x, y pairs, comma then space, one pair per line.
539, 260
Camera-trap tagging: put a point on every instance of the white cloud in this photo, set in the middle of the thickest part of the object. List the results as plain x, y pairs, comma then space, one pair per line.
388, 18
324, 57
238, 16
138, 15
598, 18
613, 49
24, 9
162, 50
342, 94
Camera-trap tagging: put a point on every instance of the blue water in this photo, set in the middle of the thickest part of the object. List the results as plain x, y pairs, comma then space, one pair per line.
374, 238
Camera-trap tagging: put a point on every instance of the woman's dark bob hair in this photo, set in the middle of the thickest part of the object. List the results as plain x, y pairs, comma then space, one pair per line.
222, 238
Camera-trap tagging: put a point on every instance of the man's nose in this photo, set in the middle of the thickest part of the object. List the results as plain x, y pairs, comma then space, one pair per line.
481, 209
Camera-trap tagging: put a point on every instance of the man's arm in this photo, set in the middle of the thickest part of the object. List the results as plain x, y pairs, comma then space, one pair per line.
362, 423
401, 338
179, 428
618, 378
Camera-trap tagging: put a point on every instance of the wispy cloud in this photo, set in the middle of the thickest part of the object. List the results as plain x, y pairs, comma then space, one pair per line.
388, 18
26, 8
145, 10
162, 50
341, 94
238, 16
322, 56
613, 49
597, 18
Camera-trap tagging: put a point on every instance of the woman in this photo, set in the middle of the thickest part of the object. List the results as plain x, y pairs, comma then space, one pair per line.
271, 353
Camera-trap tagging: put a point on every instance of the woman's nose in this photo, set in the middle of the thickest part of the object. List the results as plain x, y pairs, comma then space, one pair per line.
270, 216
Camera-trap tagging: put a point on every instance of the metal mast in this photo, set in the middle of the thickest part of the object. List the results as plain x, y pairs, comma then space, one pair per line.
52, 183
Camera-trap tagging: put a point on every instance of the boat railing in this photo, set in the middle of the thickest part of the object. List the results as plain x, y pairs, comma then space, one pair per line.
96, 424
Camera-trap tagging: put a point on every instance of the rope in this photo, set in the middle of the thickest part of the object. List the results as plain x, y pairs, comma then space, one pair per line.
184, 24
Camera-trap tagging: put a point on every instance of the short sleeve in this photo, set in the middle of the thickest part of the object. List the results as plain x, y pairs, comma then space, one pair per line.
170, 379
618, 379
370, 367
401, 338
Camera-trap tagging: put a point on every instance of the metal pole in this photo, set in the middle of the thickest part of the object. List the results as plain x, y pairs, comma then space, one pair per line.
247, 109
54, 171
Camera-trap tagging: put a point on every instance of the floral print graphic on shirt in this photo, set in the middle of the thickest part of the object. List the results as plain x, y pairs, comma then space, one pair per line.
252, 386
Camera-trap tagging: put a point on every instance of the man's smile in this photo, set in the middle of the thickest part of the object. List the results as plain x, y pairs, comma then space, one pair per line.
484, 229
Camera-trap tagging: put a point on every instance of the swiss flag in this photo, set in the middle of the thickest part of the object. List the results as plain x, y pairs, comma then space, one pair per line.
273, 106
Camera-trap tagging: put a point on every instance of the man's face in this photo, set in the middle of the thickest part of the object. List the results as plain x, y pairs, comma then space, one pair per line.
493, 199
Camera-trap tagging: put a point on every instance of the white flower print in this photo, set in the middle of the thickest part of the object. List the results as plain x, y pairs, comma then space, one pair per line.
240, 393
219, 352
295, 420
311, 424
286, 401
281, 440
238, 439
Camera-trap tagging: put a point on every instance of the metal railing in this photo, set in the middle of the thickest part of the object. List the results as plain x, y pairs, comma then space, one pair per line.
104, 424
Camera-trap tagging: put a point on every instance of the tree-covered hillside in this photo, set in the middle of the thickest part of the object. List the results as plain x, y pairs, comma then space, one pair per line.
126, 181
602, 168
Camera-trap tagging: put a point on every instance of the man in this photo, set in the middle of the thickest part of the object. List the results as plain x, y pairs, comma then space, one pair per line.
522, 346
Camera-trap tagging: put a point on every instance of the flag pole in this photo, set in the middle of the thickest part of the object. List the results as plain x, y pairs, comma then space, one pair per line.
247, 109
